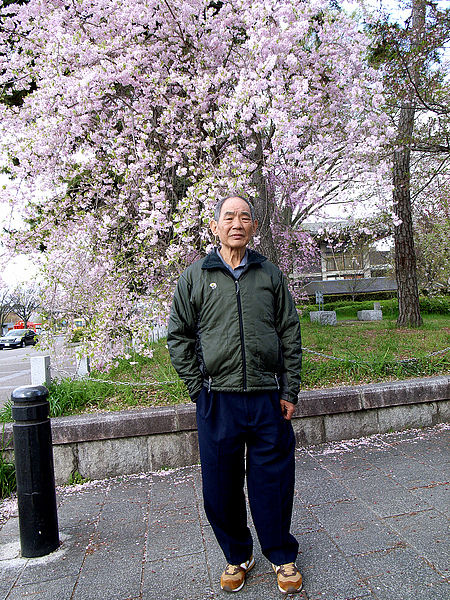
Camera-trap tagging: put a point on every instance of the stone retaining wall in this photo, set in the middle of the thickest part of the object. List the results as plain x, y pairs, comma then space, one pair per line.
120, 443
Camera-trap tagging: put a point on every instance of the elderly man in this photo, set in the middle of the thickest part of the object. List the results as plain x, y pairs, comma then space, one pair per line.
234, 339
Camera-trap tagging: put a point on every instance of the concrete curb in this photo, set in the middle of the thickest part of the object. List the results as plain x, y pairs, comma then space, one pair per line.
121, 443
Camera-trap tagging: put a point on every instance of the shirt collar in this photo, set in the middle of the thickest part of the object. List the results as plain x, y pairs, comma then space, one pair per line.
241, 265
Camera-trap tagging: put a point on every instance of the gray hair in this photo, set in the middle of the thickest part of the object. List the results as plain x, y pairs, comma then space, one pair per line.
220, 203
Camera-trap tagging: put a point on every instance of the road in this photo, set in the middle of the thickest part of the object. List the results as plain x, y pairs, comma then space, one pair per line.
15, 366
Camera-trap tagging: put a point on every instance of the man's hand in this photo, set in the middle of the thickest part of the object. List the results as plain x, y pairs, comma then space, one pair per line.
287, 408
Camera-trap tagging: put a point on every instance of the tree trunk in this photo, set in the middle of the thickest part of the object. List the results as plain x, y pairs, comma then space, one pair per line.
405, 257
263, 205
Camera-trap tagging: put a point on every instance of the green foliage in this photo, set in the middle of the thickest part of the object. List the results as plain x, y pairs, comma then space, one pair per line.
68, 397
7, 477
77, 335
7, 473
435, 305
355, 352
5, 412
368, 352
348, 309
76, 478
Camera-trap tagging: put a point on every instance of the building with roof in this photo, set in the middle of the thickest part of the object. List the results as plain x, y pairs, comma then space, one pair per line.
346, 264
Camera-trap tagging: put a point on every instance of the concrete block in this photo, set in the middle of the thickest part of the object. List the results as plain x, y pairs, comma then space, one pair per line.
397, 418
410, 391
84, 366
114, 457
370, 315
65, 461
187, 419
173, 450
444, 411
347, 426
328, 401
40, 370
309, 431
103, 426
323, 317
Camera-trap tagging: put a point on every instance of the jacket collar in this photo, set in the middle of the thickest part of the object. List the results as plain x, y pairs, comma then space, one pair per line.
212, 261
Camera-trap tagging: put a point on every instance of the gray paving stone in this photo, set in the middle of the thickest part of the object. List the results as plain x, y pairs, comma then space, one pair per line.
351, 528
9, 532
66, 562
324, 490
128, 517
40, 590
136, 488
303, 519
371, 517
400, 574
178, 578
437, 496
305, 460
429, 533
347, 466
411, 473
173, 539
80, 506
385, 497
110, 572
9, 573
326, 573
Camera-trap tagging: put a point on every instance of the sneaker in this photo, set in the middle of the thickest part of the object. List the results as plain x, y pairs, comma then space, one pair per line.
289, 578
233, 578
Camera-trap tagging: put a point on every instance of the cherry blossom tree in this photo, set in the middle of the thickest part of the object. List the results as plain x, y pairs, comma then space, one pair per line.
122, 122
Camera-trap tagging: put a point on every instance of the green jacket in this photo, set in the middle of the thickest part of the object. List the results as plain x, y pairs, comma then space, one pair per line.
235, 335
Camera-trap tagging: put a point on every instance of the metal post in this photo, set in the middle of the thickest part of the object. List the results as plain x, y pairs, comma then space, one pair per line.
33, 456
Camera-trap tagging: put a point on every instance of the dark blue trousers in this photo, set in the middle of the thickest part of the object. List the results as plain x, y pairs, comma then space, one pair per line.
229, 423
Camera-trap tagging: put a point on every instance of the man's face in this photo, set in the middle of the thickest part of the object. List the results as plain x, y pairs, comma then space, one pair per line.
235, 226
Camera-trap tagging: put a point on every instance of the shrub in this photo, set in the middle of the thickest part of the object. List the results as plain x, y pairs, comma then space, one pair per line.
7, 477
438, 305
77, 335
7, 473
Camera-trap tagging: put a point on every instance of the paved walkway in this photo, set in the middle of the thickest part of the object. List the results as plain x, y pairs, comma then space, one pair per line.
372, 518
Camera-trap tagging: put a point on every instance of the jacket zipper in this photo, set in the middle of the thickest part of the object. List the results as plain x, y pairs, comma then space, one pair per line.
241, 331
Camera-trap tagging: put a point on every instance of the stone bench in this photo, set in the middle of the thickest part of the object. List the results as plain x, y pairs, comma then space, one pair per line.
323, 317
370, 315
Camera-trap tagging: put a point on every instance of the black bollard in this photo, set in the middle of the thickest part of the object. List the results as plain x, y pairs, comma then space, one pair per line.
33, 456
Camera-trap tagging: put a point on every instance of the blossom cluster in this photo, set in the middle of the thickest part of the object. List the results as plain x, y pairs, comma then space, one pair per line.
135, 115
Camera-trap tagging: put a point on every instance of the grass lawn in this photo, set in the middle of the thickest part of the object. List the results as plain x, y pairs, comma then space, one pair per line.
373, 351
364, 352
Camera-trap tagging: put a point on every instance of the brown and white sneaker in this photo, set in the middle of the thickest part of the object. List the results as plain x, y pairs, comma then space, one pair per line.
289, 578
233, 578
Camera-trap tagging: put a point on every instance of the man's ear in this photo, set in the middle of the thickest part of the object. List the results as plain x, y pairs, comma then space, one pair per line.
255, 226
213, 226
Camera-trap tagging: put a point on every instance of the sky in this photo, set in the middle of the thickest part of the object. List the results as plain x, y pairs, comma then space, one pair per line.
19, 269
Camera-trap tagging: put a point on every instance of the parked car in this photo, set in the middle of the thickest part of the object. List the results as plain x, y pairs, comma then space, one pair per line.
18, 338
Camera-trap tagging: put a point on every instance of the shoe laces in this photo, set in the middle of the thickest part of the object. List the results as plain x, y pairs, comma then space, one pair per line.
233, 569
288, 570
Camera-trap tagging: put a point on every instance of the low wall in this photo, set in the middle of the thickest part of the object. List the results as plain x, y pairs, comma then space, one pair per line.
120, 443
